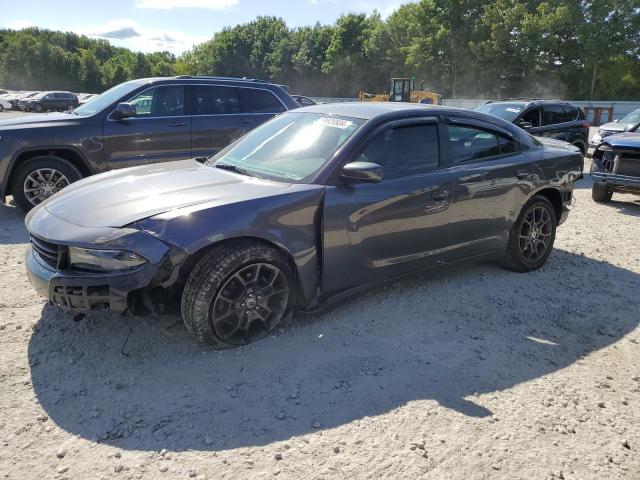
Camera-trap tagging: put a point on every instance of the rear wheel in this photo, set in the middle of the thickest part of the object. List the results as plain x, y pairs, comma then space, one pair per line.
581, 146
237, 294
532, 236
600, 193
39, 178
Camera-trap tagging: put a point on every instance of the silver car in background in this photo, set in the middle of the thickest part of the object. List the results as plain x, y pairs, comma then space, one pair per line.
628, 123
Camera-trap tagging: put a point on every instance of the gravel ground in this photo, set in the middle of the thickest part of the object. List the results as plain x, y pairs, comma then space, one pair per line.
468, 372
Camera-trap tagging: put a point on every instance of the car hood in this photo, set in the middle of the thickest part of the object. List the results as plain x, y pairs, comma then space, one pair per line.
120, 197
623, 140
617, 126
37, 120
554, 143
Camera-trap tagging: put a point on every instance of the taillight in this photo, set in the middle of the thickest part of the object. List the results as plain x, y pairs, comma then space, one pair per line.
586, 125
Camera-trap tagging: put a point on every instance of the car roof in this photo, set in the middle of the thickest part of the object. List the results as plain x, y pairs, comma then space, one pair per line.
370, 110
529, 101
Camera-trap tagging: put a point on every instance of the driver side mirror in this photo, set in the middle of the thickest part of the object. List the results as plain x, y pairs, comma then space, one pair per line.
525, 125
616, 120
124, 110
362, 172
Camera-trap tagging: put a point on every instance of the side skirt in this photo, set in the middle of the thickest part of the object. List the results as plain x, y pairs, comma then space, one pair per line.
333, 301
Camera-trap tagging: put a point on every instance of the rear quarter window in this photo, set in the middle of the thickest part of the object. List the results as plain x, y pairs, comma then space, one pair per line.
254, 100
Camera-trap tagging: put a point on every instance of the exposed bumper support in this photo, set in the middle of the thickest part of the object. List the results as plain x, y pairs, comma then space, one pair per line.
620, 183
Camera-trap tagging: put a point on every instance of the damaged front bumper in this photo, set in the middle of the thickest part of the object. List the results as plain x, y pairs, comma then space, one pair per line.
618, 169
52, 276
617, 183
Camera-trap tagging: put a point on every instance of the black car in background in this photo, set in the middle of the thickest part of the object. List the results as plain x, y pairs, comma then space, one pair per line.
135, 123
555, 119
304, 101
21, 97
616, 166
314, 205
49, 101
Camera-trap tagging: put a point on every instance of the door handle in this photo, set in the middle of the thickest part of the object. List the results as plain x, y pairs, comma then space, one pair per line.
244, 122
440, 195
522, 174
177, 124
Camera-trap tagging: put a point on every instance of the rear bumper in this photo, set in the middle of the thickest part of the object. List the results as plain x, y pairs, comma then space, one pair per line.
85, 291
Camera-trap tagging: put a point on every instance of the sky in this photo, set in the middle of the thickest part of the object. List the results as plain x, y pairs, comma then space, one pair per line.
173, 25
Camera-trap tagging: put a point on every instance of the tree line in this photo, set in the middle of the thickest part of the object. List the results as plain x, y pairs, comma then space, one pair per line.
577, 49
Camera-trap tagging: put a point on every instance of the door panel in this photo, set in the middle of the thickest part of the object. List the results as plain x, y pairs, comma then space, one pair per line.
491, 182
395, 226
385, 229
216, 119
161, 132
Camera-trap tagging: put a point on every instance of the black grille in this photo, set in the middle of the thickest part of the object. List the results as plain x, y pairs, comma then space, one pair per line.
49, 252
629, 166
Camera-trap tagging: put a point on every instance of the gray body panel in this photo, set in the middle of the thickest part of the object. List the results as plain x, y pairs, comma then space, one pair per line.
339, 236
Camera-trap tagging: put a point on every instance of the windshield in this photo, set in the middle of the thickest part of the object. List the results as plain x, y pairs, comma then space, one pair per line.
102, 101
506, 111
633, 117
292, 147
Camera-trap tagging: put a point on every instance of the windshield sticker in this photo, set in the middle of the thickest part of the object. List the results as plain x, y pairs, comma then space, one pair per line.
513, 110
334, 122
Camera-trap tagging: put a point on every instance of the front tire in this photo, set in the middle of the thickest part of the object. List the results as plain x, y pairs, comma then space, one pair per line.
39, 178
532, 236
237, 293
600, 193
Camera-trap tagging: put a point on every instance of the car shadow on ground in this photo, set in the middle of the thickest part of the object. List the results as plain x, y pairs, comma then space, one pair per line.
12, 229
444, 336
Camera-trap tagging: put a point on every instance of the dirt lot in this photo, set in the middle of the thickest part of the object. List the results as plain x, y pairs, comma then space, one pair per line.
469, 372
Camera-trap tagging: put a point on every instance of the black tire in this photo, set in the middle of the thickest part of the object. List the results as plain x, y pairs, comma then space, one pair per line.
581, 146
212, 285
600, 193
524, 250
1, 108
47, 162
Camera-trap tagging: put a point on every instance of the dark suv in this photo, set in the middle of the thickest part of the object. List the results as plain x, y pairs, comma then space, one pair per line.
555, 119
138, 122
49, 101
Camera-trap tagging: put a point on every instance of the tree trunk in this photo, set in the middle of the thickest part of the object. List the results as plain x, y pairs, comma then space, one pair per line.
593, 81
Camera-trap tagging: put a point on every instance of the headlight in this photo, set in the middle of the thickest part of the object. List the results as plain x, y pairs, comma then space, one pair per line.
103, 260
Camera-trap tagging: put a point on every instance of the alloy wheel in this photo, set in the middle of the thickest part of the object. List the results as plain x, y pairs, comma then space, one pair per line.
535, 234
250, 304
42, 183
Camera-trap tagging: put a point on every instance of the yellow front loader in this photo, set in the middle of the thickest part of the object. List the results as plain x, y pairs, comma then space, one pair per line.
402, 90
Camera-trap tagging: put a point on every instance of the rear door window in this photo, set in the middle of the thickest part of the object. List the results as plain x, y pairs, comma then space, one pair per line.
552, 114
254, 100
570, 113
468, 144
160, 102
214, 100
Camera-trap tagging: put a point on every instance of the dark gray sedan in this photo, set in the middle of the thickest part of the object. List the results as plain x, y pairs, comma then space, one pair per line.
312, 206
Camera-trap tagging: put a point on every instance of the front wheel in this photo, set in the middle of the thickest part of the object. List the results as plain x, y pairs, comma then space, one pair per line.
39, 178
531, 237
600, 193
237, 293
